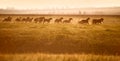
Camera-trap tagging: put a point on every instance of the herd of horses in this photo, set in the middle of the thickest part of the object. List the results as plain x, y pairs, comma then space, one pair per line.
48, 20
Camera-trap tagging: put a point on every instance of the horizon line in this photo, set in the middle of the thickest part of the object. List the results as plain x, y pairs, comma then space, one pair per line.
14, 8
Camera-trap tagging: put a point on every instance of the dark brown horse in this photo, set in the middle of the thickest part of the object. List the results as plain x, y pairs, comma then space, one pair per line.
68, 21
8, 19
28, 19
85, 21
23, 20
18, 19
39, 20
47, 20
98, 21
58, 20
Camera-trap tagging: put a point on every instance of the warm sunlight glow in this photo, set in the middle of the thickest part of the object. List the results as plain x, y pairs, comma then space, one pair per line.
48, 4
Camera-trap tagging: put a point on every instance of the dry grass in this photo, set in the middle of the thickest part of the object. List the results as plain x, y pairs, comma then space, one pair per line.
60, 42
58, 57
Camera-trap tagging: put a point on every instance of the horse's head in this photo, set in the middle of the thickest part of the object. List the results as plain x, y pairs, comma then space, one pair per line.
102, 19
88, 18
70, 18
50, 18
61, 18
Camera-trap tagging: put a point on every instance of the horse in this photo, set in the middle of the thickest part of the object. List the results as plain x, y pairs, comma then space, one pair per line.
84, 21
28, 19
68, 21
8, 19
58, 20
23, 20
18, 19
40, 19
47, 20
97, 21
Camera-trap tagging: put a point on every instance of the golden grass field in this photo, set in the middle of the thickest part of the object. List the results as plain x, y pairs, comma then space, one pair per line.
60, 42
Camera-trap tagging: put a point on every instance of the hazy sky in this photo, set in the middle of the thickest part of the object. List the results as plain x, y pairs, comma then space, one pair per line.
21, 4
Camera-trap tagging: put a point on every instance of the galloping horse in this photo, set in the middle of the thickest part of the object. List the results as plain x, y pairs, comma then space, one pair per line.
40, 19
98, 21
84, 21
18, 19
8, 19
68, 21
28, 19
47, 20
58, 20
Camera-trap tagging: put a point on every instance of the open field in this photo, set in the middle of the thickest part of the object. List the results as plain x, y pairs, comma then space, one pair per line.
58, 57
60, 42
